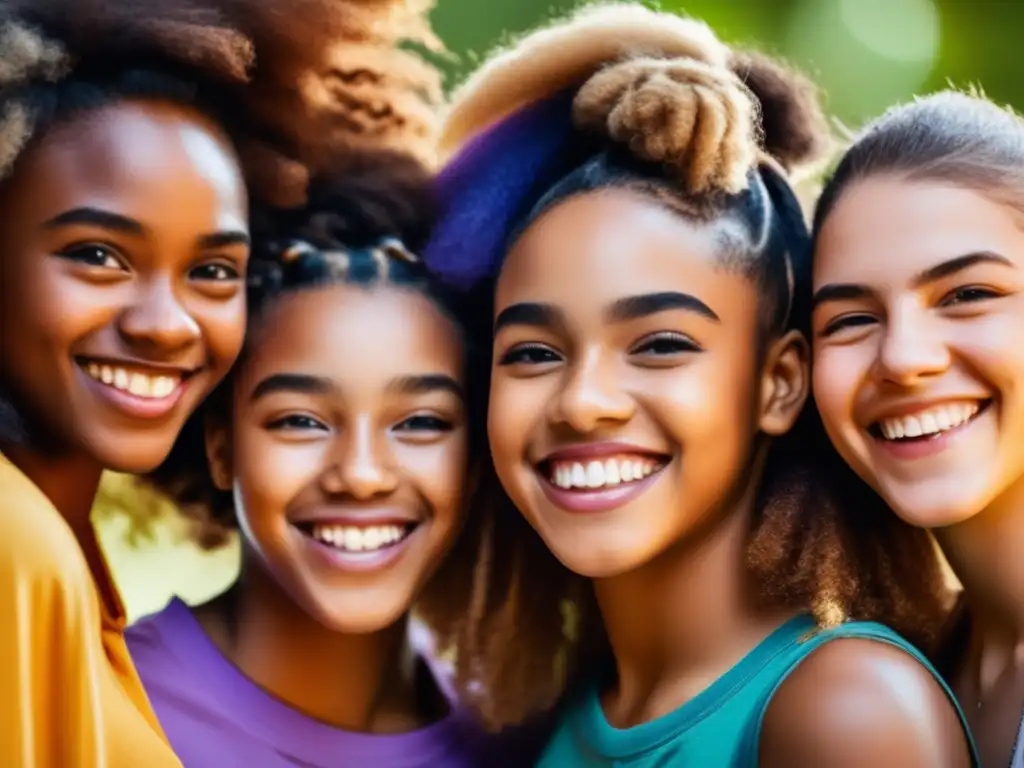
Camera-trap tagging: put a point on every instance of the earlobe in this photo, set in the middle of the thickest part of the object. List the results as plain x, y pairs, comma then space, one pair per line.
218, 453
785, 383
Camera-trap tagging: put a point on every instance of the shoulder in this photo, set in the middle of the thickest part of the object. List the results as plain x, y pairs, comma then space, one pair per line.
36, 545
868, 703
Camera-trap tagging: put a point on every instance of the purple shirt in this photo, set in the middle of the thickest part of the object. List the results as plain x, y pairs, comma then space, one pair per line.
215, 717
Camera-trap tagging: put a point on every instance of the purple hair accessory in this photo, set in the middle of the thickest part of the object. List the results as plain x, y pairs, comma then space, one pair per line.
492, 181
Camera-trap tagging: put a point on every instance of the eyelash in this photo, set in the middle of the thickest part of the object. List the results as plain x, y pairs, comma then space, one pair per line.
677, 343
970, 294
295, 422
80, 253
420, 423
108, 258
527, 354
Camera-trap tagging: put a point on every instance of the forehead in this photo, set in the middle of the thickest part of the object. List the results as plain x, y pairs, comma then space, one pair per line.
600, 246
888, 229
135, 158
355, 336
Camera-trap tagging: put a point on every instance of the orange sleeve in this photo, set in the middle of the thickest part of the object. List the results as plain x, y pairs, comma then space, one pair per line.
50, 645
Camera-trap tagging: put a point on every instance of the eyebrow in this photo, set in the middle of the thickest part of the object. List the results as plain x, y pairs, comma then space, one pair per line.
636, 307
425, 384
532, 314
291, 382
849, 291
630, 308
97, 217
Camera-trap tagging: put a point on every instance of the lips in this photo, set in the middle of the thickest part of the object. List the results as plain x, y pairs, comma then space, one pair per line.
136, 389
600, 476
928, 422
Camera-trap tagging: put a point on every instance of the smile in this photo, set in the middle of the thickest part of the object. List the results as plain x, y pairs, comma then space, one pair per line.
139, 391
598, 478
350, 538
615, 470
928, 424
134, 382
355, 545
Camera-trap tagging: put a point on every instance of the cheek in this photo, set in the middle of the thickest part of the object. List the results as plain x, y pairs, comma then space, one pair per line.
269, 474
514, 406
834, 379
223, 329
438, 471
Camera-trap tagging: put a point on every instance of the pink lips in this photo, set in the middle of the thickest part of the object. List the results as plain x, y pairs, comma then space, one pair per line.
137, 407
596, 500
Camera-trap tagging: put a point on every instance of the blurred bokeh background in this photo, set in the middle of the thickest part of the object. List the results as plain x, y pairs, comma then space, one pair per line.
866, 54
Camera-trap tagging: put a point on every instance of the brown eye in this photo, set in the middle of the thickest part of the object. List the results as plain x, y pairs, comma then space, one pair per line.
216, 272
296, 422
424, 423
666, 344
968, 295
529, 354
93, 255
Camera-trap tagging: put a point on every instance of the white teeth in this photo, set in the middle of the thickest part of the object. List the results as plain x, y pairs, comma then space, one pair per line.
360, 539
601, 474
138, 384
931, 422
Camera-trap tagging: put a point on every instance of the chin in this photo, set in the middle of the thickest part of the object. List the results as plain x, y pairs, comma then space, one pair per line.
359, 619
922, 512
596, 564
130, 456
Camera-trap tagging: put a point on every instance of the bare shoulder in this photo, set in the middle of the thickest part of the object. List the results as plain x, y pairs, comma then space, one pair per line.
859, 703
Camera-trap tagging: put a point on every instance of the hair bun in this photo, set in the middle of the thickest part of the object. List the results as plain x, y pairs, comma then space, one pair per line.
699, 120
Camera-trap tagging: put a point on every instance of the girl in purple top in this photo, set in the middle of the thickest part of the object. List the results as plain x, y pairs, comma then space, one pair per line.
341, 445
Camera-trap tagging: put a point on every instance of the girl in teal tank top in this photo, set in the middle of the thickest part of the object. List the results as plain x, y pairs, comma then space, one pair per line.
622, 191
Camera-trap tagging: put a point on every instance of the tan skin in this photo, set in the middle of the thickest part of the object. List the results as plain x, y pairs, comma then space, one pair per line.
332, 419
935, 316
677, 377
124, 239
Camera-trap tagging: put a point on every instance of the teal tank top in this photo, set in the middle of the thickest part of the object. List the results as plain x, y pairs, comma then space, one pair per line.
721, 726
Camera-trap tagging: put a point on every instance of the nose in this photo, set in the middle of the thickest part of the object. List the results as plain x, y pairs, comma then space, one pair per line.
361, 465
157, 320
912, 349
592, 397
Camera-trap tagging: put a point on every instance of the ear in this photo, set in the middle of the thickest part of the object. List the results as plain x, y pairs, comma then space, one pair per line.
785, 383
217, 436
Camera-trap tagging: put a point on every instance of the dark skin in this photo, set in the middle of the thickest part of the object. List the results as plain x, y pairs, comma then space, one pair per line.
123, 234
314, 437
933, 318
643, 339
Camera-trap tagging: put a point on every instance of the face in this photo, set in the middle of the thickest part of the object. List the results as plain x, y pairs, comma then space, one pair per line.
626, 392
347, 451
918, 365
124, 242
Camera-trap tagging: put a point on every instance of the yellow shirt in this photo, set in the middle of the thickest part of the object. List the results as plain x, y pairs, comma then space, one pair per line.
69, 695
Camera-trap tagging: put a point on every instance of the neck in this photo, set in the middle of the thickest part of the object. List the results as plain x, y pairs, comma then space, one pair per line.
69, 481
681, 621
357, 682
986, 552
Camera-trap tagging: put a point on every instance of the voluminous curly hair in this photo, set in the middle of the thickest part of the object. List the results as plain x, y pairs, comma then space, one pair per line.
621, 96
292, 81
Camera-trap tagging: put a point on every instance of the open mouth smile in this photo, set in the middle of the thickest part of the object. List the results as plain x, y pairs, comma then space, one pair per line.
607, 478
141, 391
928, 430
358, 546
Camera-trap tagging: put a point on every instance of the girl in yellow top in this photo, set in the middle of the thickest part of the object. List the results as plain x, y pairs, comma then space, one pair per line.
123, 249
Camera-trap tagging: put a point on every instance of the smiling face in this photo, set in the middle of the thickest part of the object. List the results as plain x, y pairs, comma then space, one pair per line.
917, 341
347, 450
123, 241
626, 389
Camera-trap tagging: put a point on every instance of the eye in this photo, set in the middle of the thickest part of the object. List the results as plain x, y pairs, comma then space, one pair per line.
215, 271
296, 422
665, 344
967, 295
844, 322
93, 255
424, 423
529, 354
